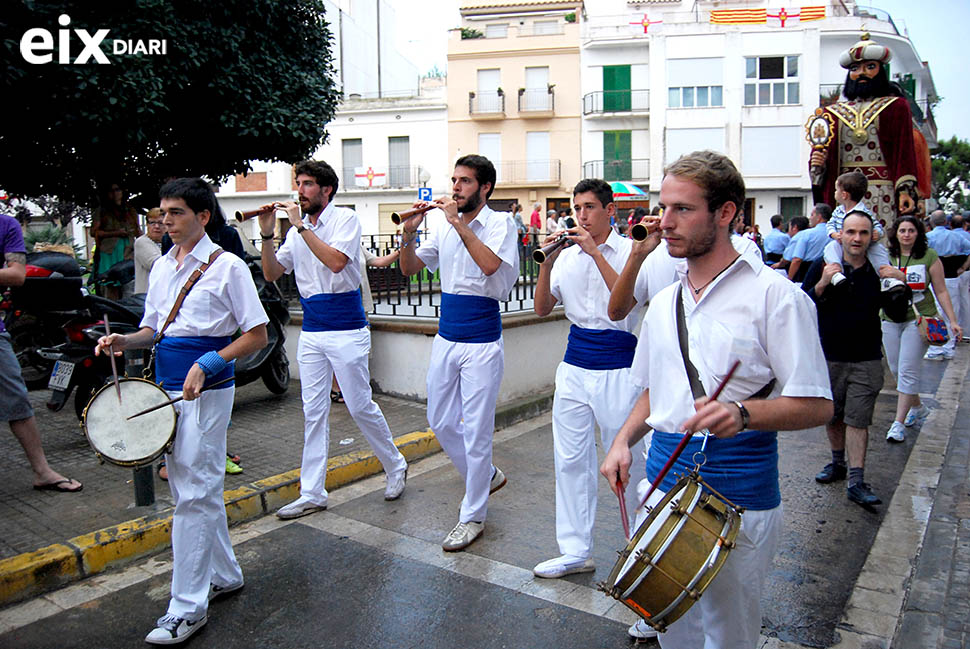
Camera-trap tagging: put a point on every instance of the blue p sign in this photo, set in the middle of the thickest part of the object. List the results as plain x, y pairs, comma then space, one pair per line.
424, 193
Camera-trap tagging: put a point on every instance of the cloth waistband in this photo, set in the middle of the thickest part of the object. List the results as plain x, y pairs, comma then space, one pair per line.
175, 356
469, 319
600, 349
333, 311
744, 468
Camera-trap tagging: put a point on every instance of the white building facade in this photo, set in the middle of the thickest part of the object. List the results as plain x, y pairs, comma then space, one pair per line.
744, 89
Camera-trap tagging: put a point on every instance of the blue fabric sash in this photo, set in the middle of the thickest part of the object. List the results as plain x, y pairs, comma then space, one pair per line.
743, 468
469, 319
333, 311
600, 349
176, 354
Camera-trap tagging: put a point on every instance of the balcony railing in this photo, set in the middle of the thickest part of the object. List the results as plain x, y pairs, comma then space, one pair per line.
395, 177
485, 103
419, 296
829, 93
528, 172
635, 169
536, 101
616, 101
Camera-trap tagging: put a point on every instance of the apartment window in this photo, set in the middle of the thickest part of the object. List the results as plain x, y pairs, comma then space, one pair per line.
617, 154
497, 30
616, 88
537, 155
489, 100
353, 156
536, 96
399, 161
490, 146
790, 206
541, 27
771, 80
694, 96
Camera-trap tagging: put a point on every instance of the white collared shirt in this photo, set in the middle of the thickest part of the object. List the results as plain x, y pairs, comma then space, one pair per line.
460, 274
577, 283
339, 228
750, 313
223, 300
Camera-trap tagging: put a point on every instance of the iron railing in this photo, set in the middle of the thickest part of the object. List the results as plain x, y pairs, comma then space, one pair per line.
636, 169
486, 103
616, 101
419, 296
538, 100
528, 172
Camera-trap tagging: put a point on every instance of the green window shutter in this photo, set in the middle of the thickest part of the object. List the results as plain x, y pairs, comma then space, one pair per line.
617, 148
616, 88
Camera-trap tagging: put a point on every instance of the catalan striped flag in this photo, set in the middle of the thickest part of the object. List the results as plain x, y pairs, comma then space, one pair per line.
740, 16
813, 13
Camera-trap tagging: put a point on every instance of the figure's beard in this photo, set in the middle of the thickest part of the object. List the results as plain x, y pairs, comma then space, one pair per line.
878, 86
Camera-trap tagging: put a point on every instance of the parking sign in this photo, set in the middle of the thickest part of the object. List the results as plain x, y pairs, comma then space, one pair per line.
424, 193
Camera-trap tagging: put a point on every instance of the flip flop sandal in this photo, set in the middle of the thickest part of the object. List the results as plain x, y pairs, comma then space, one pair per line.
161, 467
337, 396
59, 486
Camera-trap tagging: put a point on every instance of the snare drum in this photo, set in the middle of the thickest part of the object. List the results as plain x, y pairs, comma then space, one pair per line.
123, 442
675, 553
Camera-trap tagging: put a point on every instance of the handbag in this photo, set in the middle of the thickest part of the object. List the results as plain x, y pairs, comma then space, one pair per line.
933, 330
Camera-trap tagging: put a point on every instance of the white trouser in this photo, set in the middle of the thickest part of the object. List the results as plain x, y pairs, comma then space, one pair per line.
196, 475
463, 383
728, 615
953, 288
877, 254
963, 290
584, 399
321, 354
905, 346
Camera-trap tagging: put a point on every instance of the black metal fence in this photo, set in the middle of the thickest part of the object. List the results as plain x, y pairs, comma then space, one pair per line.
420, 295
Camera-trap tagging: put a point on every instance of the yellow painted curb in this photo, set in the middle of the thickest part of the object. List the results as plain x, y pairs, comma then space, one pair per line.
45, 569
32, 573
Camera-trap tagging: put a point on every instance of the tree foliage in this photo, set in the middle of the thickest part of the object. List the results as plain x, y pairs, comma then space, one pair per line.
241, 80
951, 173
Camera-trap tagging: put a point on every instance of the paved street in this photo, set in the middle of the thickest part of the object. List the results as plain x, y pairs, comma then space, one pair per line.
370, 573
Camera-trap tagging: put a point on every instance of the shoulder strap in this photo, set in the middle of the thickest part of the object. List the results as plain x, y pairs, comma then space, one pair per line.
695, 383
193, 278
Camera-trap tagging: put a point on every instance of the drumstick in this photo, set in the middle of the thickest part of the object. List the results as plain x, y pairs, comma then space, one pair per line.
177, 399
111, 355
686, 438
626, 519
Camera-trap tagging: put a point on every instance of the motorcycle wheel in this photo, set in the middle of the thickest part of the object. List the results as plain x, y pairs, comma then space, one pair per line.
276, 377
27, 335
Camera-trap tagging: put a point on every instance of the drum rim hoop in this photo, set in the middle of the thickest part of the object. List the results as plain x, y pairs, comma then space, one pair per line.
126, 463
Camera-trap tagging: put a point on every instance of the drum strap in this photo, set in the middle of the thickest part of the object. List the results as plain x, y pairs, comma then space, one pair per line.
189, 283
696, 388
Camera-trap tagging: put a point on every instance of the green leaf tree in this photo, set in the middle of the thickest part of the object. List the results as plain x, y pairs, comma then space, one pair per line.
951, 173
240, 80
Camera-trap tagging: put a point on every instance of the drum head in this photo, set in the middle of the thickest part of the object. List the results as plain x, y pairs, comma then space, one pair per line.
123, 442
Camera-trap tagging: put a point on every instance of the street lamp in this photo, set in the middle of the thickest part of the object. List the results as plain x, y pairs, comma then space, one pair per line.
423, 176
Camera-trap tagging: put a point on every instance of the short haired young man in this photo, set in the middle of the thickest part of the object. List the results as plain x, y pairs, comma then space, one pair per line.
776, 241
735, 308
322, 248
197, 351
475, 250
593, 385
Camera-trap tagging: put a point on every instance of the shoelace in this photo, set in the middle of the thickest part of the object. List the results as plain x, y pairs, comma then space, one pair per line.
458, 532
168, 621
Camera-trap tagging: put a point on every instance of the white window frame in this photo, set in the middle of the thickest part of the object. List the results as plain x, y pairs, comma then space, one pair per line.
789, 85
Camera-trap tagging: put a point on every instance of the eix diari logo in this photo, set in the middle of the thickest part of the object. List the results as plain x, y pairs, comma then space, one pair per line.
37, 45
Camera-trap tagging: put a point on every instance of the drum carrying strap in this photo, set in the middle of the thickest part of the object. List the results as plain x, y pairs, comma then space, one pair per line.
189, 283
696, 388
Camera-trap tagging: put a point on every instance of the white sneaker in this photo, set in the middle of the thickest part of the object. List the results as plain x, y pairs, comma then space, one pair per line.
498, 481
916, 416
562, 566
642, 630
948, 356
462, 536
218, 591
395, 485
937, 356
837, 279
171, 629
297, 508
897, 433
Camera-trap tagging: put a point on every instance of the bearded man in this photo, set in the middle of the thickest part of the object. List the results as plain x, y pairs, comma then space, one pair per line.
873, 134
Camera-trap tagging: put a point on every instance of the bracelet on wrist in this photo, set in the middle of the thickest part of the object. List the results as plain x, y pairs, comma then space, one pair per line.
266, 237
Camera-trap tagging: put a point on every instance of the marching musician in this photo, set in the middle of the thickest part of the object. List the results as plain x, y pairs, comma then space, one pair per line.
323, 248
593, 385
475, 249
734, 309
197, 351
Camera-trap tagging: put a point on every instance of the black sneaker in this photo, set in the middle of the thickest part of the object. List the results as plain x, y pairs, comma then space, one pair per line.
831, 473
862, 494
171, 629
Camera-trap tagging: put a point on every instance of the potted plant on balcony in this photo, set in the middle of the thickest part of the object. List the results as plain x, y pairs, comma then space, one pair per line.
571, 17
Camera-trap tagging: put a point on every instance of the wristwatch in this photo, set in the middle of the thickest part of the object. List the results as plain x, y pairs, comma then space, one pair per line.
300, 229
745, 415
266, 237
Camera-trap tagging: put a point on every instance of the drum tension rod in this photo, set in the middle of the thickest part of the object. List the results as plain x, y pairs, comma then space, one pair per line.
692, 593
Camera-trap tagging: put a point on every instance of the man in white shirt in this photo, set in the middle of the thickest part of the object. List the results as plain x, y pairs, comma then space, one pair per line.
196, 351
323, 249
148, 248
475, 250
593, 385
730, 301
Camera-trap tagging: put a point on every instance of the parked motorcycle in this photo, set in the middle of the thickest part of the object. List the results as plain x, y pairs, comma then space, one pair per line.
78, 369
34, 314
